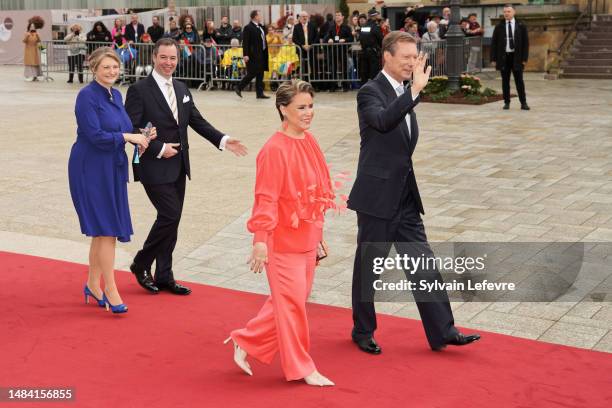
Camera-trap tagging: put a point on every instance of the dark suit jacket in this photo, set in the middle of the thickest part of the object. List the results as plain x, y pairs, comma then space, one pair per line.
156, 32
521, 45
300, 40
385, 156
346, 33
146, 103
130, 35
252, 47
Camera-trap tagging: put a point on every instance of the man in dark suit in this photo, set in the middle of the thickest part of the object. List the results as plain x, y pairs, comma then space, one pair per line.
164, 166
386, 197
133, 34
134, 30
509, 52
305, 35
255, 52
155, 31
337, 56
370, 38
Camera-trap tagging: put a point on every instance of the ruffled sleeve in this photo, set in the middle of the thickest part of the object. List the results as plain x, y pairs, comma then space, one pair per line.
269, 179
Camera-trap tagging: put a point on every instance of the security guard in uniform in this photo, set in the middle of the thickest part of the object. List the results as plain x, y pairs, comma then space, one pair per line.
370, 38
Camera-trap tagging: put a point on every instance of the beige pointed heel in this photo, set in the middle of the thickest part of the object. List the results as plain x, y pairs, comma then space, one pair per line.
240, 357
317, 379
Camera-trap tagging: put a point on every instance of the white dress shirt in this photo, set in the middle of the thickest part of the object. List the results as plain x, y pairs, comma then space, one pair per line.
396, 85
162, 84
263, 34
512, 24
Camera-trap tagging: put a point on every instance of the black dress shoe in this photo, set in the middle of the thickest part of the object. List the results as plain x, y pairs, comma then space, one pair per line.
525, 107
263, 97
144, 278
506, 106
175, 288
368, 345
238, 91
459, 339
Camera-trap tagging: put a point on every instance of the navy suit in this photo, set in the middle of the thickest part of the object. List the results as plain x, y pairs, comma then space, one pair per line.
389, 207
164, 179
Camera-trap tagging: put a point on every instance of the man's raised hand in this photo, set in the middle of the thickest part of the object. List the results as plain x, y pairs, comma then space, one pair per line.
420, 75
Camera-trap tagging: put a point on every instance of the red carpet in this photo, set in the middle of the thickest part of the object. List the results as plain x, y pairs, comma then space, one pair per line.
167, 352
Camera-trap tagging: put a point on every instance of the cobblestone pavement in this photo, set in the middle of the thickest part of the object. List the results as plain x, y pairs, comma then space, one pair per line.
485, 175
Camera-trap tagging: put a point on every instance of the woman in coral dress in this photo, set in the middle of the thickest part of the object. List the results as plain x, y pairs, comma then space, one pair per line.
292, 192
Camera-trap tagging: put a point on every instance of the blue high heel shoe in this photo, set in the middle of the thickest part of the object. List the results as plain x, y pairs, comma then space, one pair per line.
122, 308
87, 292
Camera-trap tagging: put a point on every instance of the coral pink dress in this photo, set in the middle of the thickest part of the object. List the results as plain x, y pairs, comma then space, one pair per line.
293, 190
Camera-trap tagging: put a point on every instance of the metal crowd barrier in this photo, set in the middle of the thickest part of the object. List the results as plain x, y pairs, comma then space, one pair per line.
225, 64
436, 51
334, 64
57, 58
329, 65
472, 54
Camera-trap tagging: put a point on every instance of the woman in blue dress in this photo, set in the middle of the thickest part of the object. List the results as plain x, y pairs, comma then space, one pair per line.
98, 174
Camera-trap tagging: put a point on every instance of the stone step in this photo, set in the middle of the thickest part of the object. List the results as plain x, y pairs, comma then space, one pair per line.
592, 48
595, 41
575, 62
586, 76
601, 29
604, 18
591, 35
591, 55
587, 70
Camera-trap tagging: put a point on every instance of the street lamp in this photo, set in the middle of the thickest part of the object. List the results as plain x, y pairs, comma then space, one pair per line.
454, 47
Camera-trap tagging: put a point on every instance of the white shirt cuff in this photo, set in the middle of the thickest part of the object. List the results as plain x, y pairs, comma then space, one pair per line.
161, 152
414, 96
223, 142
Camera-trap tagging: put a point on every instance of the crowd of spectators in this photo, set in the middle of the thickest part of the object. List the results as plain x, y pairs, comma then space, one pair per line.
214, 54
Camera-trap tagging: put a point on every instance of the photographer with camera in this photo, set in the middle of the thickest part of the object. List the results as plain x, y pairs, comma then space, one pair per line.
31, 58
77, 48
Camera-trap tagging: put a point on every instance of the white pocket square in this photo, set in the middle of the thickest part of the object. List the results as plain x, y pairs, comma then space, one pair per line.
185, 99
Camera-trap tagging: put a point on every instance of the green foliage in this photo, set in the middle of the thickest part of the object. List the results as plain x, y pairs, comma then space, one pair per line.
472, 81
470, 87
488, 92
441, 96
436, 85
473, 98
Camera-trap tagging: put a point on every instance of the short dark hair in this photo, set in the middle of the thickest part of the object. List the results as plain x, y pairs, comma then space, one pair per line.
391, 40
254, 14
472, 14
164, 42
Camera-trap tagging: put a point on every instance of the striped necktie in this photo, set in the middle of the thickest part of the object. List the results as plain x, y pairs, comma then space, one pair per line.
400, 91
172, 100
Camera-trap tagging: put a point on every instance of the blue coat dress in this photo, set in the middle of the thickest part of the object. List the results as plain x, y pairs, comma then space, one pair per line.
98, 164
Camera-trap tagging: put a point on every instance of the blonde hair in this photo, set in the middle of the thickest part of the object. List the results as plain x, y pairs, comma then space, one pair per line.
99, 54
76, 27
288, 90
394, 37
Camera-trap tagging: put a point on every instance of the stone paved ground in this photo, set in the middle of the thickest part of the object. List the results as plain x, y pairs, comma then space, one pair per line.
485, 175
